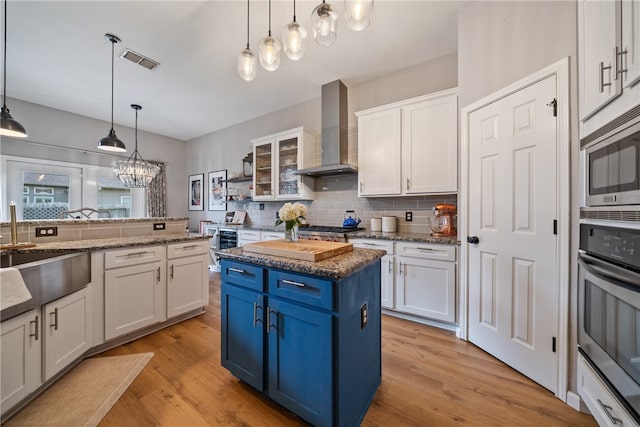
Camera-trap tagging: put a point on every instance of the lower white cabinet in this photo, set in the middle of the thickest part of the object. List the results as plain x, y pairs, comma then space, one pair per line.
604, 407
426, 280
66, 330
386, 268
135, 291
20, 358
248, 236
271, 235
188, 277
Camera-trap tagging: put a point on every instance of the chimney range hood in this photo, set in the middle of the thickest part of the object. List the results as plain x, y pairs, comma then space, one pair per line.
334, 138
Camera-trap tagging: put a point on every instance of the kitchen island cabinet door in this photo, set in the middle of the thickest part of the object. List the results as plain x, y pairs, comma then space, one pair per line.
20, 357
66, 331
242, 326
300, 360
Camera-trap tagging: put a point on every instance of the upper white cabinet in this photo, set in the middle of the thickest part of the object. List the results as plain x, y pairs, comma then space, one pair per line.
275, 159
609, 60
409, 147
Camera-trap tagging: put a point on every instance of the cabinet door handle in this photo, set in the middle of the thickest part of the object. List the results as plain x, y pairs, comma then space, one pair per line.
407, 183
602, 83
37, 329
236, 270
291, 282
55, 319
400, 272
390, 263
171, 274
255, 314
620, 66
361, 186
608, 410
158, 274
272, 325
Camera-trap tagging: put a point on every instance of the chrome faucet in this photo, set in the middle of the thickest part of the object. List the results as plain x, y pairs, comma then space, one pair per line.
14, 224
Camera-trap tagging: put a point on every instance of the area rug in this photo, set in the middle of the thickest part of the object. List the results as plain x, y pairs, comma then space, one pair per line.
84, 395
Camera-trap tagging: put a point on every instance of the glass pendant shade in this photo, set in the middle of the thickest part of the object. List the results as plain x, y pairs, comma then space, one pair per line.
325, 23
358, 13
293, 40
247, 65
269, 52
8, 125
135, 172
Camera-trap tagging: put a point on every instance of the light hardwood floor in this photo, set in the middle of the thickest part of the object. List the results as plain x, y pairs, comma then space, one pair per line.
429, 378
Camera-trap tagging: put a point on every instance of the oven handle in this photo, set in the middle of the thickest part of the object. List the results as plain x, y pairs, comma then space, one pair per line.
608, 270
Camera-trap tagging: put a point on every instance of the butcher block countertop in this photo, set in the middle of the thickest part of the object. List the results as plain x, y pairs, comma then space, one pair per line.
305, 250
335, 268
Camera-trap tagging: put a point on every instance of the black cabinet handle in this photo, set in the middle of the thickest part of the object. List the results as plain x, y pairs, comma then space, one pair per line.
473, 240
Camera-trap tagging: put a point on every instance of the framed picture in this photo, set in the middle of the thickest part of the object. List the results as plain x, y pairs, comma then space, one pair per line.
218, 190
196, 192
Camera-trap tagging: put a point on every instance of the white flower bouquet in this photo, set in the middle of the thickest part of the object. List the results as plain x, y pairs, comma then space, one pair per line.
291, 214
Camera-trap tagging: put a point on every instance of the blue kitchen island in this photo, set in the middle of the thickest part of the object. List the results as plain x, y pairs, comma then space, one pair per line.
306, 334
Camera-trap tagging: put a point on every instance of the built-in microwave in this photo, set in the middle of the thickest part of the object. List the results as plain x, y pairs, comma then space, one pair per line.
612, 167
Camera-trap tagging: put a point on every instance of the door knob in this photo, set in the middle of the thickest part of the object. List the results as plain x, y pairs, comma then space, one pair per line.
473, 240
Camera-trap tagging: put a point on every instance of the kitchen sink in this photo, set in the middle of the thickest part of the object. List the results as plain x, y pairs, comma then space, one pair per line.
48, 276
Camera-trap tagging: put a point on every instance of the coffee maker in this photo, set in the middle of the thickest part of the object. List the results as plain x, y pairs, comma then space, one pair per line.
443, 220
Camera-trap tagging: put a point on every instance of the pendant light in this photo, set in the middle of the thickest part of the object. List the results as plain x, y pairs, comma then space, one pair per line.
293, 38
325, 22
135, 172
247, 62
358, 13
8, 126
111, 141
269, 50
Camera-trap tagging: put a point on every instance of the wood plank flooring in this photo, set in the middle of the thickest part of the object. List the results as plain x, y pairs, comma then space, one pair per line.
429, 378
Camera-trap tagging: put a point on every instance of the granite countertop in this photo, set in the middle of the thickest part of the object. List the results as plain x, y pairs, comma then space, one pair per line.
93, 220
335, 268
404, 237
116, 242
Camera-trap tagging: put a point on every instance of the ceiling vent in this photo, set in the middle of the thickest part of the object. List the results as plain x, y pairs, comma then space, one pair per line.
142, 60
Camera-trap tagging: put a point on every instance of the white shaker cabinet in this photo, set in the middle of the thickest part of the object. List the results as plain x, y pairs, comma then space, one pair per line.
426, 280
275, 159
409, 147
135, 291
20, 357
271, 235
188, 277
386, 268
609, 60
248, 236
66, 330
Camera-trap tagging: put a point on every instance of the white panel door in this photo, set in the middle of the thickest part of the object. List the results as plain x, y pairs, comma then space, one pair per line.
513, 308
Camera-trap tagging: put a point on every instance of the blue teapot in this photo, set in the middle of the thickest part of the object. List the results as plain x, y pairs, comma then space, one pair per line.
351, 220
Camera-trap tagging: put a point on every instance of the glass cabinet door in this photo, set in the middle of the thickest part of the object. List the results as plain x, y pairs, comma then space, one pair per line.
263, 170
287, 164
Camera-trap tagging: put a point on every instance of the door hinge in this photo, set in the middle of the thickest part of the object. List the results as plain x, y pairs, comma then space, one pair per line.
553, 344
554, 104
555, 226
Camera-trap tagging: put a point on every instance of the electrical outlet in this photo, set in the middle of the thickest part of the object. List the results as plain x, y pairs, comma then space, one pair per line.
408, 216
46, 231
364, 316
158, 226
261, 206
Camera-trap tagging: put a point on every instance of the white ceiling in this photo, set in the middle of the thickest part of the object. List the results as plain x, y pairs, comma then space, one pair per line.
57, 56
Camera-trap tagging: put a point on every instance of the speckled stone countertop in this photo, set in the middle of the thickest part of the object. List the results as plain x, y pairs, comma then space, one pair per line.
334, 268
404, 237
117, 242
93, 220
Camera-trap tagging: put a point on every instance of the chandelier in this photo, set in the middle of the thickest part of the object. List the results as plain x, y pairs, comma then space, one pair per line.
135, 172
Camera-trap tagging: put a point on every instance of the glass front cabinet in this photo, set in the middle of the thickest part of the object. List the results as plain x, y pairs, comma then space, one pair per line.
275, 159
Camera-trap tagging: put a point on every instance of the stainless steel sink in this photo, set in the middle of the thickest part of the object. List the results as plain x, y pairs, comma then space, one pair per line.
48, 276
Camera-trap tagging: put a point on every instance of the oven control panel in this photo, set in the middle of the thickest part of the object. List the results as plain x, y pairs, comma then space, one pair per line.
616, 244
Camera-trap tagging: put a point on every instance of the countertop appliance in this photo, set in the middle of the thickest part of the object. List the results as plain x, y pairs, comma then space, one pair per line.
326, 233
609, 308
442, 222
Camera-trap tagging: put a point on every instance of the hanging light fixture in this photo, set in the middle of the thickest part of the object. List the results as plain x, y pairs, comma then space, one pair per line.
324, 21
293, 38
269, 50
358, 13
111, 141
247, 62
8, 126
135, 172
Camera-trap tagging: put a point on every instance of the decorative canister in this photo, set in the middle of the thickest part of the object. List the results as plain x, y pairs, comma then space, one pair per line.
376, 224
388, 224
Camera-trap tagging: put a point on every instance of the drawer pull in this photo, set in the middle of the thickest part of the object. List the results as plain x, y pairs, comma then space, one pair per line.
189, 247
36, 334
132, 254
55, 319
608, 410
237, 270
291, 282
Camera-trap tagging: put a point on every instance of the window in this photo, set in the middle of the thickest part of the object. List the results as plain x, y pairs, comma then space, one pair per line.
42, 190
40, 199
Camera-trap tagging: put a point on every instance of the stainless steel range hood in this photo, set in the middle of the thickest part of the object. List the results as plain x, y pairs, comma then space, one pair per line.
334, 138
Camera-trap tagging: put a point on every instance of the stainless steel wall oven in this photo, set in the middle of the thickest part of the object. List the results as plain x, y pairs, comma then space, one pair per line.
609, 308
